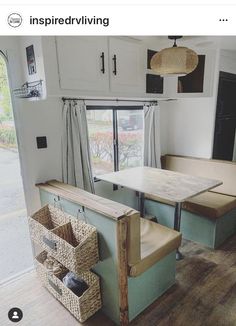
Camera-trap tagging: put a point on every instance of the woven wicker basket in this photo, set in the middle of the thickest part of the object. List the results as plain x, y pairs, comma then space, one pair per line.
73, 243
81, 307
45, 220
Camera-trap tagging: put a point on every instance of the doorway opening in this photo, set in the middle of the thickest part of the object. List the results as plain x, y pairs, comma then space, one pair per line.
15, 246
224, 147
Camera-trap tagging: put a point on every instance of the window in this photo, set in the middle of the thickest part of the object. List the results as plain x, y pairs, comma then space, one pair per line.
130, 138
116, 137
7, 128
100, 127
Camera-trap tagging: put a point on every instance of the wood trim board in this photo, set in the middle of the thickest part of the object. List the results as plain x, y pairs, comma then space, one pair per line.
101, 205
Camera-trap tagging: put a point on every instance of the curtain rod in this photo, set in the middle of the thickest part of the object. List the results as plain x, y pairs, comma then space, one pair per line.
110, 100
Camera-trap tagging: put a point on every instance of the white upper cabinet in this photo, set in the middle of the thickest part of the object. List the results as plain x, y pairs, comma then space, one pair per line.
127, 65
101, 65
83, 63
116, 66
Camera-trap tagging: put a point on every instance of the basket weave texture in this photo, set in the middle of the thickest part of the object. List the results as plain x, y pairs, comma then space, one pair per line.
81, 307
69, 240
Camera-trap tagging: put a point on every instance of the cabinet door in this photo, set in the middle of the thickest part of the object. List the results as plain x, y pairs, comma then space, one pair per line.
83, 63
127, 66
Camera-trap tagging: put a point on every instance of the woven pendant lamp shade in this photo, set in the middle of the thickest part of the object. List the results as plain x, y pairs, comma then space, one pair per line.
174, 61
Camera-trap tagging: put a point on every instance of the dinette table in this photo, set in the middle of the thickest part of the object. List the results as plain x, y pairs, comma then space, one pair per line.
163, 184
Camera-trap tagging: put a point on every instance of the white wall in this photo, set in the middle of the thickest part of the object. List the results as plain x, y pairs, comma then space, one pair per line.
189, 127
40, 118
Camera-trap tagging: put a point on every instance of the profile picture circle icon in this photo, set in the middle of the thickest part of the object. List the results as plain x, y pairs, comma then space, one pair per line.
15, 315
14, 20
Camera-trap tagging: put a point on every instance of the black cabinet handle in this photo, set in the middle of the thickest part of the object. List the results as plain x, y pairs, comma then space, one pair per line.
103, 62
115, 69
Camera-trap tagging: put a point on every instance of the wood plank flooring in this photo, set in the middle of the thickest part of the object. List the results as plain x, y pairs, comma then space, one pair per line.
204, 295
205, 291
39, 307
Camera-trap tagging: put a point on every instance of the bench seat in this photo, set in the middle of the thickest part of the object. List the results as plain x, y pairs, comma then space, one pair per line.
209, 218
209, 204
156, 242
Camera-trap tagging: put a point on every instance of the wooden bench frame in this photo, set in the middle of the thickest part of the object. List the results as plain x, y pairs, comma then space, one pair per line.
117, 217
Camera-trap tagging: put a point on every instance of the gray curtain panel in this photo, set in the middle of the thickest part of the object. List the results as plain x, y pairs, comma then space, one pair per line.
76, 161
152, 147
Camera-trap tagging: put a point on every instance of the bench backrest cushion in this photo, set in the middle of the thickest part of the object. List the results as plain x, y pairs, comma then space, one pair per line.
213, 169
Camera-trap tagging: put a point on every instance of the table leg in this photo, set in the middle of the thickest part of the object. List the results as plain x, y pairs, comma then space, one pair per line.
178, 207
141, 204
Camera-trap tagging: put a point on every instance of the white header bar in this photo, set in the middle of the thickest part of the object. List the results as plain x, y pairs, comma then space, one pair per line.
118, 20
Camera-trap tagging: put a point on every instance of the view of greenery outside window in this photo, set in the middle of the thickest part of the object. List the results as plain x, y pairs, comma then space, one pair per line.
7, 129
130, 138
100, 126
103, 134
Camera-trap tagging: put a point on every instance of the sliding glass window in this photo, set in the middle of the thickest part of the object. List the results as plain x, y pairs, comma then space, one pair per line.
116, 137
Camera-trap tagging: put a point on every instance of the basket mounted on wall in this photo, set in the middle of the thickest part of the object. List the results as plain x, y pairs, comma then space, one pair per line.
29, 90
71, 241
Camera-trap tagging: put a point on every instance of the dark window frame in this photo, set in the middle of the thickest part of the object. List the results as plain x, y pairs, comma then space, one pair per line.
114, 110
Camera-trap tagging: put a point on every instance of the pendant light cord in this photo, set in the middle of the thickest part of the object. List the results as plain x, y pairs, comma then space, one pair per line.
175, 45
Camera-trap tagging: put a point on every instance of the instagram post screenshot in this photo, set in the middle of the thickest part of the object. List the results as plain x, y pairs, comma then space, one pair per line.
118, 163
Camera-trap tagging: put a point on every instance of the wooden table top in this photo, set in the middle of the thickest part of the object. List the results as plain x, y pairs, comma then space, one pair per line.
165, 184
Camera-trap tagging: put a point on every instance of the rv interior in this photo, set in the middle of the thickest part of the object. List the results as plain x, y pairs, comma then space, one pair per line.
118, 183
